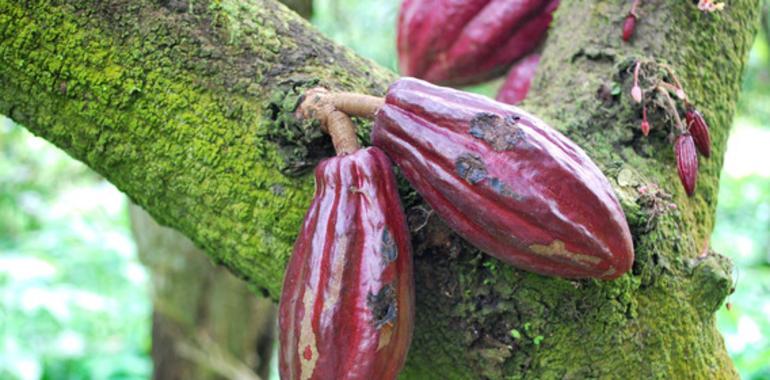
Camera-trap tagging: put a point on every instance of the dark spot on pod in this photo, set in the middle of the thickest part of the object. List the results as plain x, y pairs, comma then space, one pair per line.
383, 306
501, 188
471, 168
389, 251
501, 133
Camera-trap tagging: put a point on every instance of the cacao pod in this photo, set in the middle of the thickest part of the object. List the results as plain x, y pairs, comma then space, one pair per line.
629, 24
699, 131
466, 42
347, 304
516, 85
686, 162
645, 127
645, 124
505, 181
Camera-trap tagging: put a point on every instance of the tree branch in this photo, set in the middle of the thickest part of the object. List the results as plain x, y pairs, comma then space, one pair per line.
190, 114
177, 109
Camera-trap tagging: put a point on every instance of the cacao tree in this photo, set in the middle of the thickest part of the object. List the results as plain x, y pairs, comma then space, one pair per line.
187, 107
194, 335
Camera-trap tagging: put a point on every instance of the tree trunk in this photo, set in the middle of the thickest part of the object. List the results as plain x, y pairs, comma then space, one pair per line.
303, 7
188, 111
206, 323
194, 301
766, 21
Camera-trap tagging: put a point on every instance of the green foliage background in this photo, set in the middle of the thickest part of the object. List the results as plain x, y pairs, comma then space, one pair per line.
74, 301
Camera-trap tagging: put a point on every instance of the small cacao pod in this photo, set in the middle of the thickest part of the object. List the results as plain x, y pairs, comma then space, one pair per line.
645, 124
347, 304
686, 162
466, 42
629, 24
645, 127
505, 181
518, 81
699, 131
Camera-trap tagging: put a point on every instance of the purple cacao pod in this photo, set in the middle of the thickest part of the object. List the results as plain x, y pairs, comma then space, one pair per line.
629, 25
516, 85
347, 303
699, 131
505, 181
466, 42
686, 162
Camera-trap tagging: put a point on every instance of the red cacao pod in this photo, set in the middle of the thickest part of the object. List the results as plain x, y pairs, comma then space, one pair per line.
629, 24
645, 127
699, 131
466, 42
347, 304
505, 181
516, 85
686, 162
645, 124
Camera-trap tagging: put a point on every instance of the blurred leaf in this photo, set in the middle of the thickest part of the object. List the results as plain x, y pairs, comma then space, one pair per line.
72, 304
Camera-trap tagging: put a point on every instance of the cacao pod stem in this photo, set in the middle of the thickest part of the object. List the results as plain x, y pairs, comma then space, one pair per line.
355, 104
336, 123
636, 91
672, 108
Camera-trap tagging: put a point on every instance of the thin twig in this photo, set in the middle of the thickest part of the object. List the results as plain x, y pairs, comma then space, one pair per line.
672, 105
634, 5
673, 76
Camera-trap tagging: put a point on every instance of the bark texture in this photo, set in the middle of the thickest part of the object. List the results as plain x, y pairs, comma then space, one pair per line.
188, 111
194, 303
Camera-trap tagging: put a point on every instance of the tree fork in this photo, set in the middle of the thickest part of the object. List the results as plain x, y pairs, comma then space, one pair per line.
177, 106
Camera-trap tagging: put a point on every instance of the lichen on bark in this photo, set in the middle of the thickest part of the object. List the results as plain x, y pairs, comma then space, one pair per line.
183, 110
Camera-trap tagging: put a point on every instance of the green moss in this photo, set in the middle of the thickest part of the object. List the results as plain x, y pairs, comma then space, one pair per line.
189, 112
139, 107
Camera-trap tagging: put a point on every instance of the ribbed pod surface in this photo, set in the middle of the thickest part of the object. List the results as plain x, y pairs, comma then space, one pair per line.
465, 42
686, 162
346, 309
519, 79
505, 181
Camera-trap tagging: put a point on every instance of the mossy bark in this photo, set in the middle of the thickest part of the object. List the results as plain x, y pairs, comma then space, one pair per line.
207, 324
187, 109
